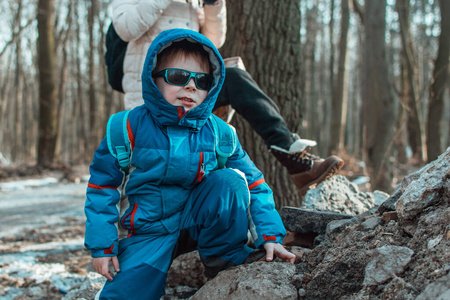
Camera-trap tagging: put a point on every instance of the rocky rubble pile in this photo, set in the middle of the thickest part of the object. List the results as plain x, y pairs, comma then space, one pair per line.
397, 250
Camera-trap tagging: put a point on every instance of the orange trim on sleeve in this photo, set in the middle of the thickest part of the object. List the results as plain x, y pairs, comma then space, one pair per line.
269, 238
98, 187
256, 183
109, 251
130, 135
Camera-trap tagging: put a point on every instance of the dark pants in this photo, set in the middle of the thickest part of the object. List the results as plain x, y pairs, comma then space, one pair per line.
244, 95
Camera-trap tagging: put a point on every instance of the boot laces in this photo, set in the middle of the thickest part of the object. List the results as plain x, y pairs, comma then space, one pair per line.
303, 157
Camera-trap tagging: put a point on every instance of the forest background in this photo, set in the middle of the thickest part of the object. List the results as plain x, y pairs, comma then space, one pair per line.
366, 79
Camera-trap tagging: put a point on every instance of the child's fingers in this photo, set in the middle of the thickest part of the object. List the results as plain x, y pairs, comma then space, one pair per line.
285, 255
108, 275
115, 263
290, 258
269, 252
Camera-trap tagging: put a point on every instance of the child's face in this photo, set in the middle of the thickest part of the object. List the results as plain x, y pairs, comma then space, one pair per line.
188, 96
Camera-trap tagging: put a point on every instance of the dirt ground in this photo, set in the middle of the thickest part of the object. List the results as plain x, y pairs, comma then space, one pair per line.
74, 261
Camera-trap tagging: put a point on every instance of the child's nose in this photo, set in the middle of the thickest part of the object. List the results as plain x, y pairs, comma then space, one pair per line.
191, 84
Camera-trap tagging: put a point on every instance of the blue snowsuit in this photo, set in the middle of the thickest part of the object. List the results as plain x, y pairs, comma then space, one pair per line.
174, 183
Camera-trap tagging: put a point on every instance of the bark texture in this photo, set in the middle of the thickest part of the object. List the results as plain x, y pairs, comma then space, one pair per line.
440, 82
48, 101
266, 34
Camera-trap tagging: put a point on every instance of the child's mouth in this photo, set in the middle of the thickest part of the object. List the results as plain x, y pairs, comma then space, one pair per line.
187, 101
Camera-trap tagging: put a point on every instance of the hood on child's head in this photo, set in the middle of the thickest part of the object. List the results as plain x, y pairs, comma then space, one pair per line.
164, 112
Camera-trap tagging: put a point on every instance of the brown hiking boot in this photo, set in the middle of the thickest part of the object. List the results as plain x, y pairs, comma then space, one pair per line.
307, 170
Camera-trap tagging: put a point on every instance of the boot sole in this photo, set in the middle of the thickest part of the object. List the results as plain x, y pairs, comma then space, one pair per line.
331, 171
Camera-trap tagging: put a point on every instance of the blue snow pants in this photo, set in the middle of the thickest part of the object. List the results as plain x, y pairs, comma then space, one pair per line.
215, 216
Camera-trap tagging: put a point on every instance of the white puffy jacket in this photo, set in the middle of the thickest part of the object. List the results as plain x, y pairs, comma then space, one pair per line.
140, 21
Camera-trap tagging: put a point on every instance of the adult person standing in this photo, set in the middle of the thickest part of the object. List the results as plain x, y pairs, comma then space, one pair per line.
138, 22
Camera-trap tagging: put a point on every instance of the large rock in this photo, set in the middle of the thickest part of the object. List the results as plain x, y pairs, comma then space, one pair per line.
340, 195
306, 220
432, 186
438, 290
387, 262
385, 257
187, 270
88, 289
259, 280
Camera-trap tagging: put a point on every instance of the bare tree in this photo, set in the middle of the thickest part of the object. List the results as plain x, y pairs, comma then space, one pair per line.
65, 34
379, 105
308, 72
93, 108
339, 101
48, 100
266, 34
410, 91
440, 75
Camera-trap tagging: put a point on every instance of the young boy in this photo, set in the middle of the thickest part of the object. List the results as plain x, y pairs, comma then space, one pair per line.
174, 182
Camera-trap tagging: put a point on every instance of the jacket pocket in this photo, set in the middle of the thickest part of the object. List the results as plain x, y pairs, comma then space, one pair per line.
127, 221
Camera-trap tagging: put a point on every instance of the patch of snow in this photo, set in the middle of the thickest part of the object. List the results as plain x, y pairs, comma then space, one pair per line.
361, 180
25, 264
28, 183
66, 245
4, 161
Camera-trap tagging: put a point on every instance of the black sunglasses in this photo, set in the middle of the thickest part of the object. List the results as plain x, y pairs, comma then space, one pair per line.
180, 77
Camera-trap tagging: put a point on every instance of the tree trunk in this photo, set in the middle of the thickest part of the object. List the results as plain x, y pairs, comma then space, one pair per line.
410, 93
400, 138
61, 149
266, 34
340, 95
18, 93
440, 74
48, 101
93, 108
378, 100
308, 72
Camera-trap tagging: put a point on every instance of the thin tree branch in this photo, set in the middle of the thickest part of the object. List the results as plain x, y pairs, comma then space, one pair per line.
358, 8
15, 35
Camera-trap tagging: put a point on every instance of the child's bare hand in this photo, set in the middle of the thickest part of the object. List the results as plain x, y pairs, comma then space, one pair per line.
101, 265
278, 250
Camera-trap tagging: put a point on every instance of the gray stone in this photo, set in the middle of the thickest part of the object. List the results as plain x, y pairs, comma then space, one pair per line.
259, 280
88, 289
438, 290
338, 194
431, 186
389, 203
337, 226
187, 270
371, 223
379, 197
306, 220
398, 288
388, 261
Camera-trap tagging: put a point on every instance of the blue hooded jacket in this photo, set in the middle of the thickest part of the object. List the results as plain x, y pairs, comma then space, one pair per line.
172, 150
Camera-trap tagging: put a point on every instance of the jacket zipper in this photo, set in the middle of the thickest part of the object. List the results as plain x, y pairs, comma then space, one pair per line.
200, 170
